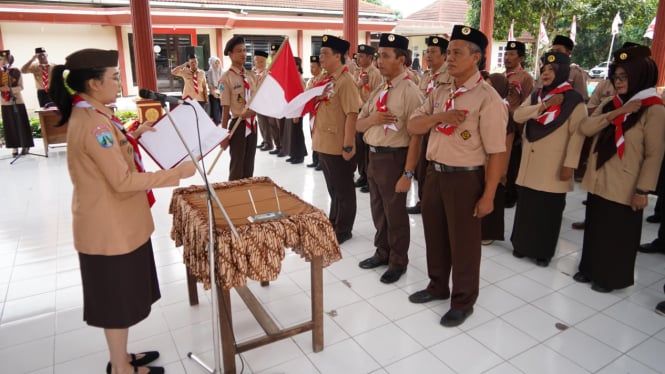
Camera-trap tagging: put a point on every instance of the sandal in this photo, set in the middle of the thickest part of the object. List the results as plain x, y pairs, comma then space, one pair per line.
147, 358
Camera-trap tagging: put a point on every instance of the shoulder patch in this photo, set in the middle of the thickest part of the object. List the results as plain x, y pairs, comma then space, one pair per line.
103, 136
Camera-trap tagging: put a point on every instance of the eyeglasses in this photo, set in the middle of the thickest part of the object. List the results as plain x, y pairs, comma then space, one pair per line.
620, 77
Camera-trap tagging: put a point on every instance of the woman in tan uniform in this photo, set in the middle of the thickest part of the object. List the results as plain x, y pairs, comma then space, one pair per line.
551, 144
14, 115
623, 167
111, 203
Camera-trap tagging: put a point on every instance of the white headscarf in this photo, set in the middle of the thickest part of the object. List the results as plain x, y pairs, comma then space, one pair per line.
214, 74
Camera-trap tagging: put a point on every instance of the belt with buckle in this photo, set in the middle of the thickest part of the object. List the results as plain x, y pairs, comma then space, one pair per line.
386, 149
442, 168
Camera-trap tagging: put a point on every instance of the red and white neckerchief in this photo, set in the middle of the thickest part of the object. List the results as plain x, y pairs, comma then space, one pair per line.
195, 81
45, 69
362, 75
5, 83
432, 83
648, 97
382, 106
450, 105
328, 78
79, 102
250, 126
517, 85
552, 112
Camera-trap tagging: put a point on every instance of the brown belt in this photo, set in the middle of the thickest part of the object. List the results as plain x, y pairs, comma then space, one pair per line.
442, 168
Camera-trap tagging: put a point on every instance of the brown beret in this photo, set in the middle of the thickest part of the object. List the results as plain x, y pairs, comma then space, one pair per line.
92, 59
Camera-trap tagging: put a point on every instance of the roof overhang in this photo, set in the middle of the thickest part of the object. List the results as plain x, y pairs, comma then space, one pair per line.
422, 28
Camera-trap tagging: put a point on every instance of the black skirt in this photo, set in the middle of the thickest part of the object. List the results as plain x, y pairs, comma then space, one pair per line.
612, 234
493, 223
16, 126
537, 223
118, 291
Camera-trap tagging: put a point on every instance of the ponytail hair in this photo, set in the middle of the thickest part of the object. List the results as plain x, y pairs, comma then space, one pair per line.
62, 88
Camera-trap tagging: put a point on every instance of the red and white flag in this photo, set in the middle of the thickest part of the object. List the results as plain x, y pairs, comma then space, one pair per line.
511, 32
573, 29
542, 35
615, 24
650, 29
281, 94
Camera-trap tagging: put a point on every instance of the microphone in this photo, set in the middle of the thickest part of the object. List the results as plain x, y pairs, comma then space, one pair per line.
152, 95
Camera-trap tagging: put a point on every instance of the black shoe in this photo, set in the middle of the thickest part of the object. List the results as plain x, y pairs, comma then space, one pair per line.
583, 202
289, 159
372, 262
343, 236
318, 167
25, 151
455, 317
392, 275
313, 165
281, 154
361, 182
266, 148
660, 308
654, 218
275, 151
413, 209
424, 296
543, 262
297, 160
260, 145
600, 289
650, 248
147, 358
577, 225
517, 254
581, 277
364, 189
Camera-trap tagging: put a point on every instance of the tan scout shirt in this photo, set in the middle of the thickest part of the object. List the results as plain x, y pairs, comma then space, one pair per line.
578, 80
330, 119
517, 94
36, 70
483, 131
413, 75
603, 90
314, 80
110, 210
542, 160
618, 179
442, 77
375, 80
188, 90
403, 98
233, 90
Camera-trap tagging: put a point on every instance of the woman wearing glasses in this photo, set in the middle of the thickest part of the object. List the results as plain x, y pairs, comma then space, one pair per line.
622, 169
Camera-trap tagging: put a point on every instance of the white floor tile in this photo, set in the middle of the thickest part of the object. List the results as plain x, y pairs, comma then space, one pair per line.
533, 321
395, 304
463, 354
26, 330
636, 316
332, 334
502, 338
422, 362
426, 329
27, 357
273, 354
497, 300
505, 368
625, 364
542, 359
564, 308
582, 349
611, 332
388, 344
299, 365
650, 353
524, 288
549, 277
359, 317
344, 357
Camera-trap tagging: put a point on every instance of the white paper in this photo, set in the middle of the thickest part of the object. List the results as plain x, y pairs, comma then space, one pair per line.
164, 145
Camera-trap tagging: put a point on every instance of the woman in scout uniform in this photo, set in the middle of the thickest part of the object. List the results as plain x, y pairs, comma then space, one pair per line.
551, 145
14, 115
111, 202
213, 76
623, 167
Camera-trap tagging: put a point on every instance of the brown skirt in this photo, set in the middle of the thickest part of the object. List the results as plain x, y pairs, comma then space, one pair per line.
118, 291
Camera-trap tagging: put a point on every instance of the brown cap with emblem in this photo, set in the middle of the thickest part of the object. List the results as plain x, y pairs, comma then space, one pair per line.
394, 41
461, 32
513, 45
335, 43
92, 59
366, 49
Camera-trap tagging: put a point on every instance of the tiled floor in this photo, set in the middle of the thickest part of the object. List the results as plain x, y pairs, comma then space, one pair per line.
527, 319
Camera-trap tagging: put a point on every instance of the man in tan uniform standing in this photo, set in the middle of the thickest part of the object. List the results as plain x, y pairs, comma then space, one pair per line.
42, 72
368, 78
334, 135
195, 85
259, 69
237, 87
318, 76
434, 76
392, 158
521, 86
578, 76
467, 124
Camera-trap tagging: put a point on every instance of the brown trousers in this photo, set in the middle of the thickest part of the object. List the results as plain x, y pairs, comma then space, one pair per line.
362, 155
242, 150
421, 168
452, 234
389, 207
264, 128
339, 181
276, 127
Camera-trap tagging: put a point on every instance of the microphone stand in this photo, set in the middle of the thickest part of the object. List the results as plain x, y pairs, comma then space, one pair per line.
212, 196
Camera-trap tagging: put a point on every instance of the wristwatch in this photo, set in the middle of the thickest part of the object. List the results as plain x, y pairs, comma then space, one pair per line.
347, 149
641, 192
409, 174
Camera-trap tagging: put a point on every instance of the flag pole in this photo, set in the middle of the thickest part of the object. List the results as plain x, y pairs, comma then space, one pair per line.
609, 55
234, 126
